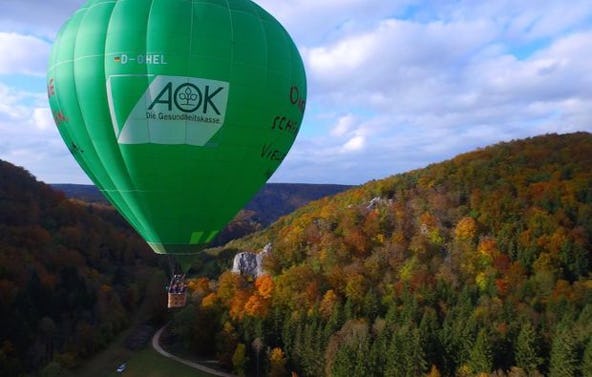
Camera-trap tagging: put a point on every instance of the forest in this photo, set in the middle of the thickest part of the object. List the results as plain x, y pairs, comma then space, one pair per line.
476, 266
73, 275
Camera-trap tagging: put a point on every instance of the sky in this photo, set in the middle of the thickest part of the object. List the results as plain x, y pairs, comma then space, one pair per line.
393, 85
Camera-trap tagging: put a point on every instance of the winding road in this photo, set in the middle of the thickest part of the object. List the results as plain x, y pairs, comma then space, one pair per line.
203, 368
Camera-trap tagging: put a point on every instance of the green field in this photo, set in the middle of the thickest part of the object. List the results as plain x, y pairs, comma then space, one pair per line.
148, 363
142, 363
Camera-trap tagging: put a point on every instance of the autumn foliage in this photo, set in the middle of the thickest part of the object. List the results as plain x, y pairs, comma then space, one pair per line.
480, 265
69, 277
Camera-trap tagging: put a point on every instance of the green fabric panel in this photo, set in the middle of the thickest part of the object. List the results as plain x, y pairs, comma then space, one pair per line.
89, 74
181, 110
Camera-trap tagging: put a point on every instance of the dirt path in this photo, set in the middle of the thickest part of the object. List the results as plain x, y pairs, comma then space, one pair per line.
203, 368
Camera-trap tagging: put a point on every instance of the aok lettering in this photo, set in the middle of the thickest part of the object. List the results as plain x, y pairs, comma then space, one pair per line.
187, 97
282, 123
268, 152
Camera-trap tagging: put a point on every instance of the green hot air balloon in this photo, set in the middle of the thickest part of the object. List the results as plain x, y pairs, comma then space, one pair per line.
178, 110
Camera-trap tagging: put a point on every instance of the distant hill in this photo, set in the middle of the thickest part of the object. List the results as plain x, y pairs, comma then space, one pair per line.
270, 203
479, 265
86, 193
278, 199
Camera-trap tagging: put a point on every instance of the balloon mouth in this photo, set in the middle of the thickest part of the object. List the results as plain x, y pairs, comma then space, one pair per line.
177, 249
196, 242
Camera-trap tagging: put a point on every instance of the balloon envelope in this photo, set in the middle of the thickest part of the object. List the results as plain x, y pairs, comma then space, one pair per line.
178, 110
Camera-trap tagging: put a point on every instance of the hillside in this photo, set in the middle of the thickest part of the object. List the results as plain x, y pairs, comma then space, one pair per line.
473, 266
275, 200
71, 276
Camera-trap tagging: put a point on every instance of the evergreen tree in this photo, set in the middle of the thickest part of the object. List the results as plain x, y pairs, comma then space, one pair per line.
289, 328
312, 354
371, 305
526, 350
239, 359
342, 364
415, 355
297, 347
394, 366
362, 367
449, 349
563, 361
481, 355
378, 350
349, 310
587, 360
457, 334
428, 329
351, 359
405, 356
336, 320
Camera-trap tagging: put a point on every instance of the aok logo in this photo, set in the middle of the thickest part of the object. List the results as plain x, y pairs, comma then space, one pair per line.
171, 110
189, 98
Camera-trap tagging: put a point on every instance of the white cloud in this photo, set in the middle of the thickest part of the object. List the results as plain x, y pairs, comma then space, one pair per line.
29, 138
427, 101
354, 144
20, 108
344, 125
393, 84
310, 21
23, 54
37, 17
394, 62
11, 104
42, 118
532, 19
